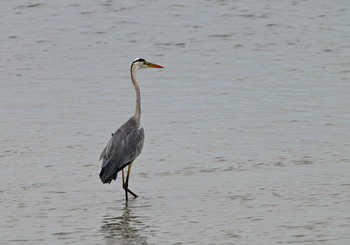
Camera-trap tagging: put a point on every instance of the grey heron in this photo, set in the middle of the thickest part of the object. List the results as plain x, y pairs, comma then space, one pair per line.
126, 143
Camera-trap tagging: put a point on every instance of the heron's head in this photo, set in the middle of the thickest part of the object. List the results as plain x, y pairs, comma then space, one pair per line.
142, 63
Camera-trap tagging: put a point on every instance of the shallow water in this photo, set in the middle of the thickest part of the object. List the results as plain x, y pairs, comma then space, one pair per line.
247, 127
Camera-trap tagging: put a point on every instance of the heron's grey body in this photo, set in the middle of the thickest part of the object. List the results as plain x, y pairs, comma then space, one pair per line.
122, 149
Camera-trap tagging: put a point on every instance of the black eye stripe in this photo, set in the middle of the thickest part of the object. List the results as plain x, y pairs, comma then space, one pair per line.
139, 60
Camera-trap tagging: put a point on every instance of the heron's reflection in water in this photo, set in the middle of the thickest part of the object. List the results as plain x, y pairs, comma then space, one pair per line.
126, 229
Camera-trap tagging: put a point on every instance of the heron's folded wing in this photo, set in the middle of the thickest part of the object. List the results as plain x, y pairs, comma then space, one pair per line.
121, 150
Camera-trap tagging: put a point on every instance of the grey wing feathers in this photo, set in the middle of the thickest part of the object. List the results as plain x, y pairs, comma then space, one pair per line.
122, 149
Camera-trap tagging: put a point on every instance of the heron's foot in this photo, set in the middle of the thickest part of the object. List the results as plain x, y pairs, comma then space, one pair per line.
132, 193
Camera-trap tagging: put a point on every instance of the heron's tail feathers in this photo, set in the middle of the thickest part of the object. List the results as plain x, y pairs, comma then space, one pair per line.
109, 171
107, 180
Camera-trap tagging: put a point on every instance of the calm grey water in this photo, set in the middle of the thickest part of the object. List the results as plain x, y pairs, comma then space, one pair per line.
247, 127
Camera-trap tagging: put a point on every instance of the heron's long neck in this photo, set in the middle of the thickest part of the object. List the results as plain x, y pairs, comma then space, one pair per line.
137, 91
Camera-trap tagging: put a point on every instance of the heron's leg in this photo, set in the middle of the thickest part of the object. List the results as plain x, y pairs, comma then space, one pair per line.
126, 189
123, 178
125, 186
127, 181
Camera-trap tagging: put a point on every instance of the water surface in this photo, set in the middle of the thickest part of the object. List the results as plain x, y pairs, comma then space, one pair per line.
247, 127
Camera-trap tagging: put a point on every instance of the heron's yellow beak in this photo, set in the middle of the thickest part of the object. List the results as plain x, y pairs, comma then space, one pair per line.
151, 65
